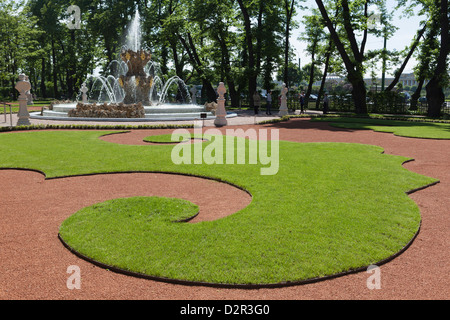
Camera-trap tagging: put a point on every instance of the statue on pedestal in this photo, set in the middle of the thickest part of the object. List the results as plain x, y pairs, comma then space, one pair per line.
221, 113
23, 86
194, 95
84, 91
283, 108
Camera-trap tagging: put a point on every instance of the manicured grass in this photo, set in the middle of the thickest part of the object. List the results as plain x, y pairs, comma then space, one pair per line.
118, 231
413, 129
331, 207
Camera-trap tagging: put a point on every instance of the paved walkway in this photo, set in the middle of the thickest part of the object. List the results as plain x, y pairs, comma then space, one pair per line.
245, 117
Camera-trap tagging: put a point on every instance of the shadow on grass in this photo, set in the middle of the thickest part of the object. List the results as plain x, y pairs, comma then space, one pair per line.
306, 123
406, 128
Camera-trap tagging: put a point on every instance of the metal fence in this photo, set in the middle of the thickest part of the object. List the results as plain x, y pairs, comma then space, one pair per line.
381, 103
5, 105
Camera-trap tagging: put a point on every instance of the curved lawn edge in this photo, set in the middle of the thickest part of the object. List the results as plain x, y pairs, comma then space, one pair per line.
383, 125
253, 285
234, 286
128, 172
378, 130
406, 240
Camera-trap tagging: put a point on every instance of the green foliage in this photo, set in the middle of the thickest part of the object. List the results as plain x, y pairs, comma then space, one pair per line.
18, 44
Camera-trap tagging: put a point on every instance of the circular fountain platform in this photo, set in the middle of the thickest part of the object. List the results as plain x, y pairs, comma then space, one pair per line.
166, 112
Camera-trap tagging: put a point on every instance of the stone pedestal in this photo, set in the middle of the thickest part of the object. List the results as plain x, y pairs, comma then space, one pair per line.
194, 95
283, 107
221, 113
23, 87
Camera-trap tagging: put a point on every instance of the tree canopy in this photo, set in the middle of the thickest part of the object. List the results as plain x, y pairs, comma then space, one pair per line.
244, 43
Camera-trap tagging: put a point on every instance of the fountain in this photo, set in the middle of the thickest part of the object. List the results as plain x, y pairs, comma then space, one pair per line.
132, 88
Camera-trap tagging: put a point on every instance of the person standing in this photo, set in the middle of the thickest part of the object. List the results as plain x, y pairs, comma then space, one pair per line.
302, 102
256, 101
325, 104
269, 102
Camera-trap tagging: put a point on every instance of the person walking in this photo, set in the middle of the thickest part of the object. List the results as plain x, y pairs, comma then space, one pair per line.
269, 102
325, 104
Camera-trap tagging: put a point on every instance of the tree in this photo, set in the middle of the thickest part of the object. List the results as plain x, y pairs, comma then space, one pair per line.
18, 42
413, 47
251, 63
219, 17
313, 35
426, 58
289, 10
434, 88
353, 54
437, 15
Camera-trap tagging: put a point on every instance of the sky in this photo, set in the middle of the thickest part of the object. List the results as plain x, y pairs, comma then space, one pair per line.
402, 38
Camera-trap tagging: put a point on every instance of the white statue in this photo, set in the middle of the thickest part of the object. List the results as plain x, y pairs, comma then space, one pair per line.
283, 108
221, 113
194, 95
84, 90
29, 95
23, 86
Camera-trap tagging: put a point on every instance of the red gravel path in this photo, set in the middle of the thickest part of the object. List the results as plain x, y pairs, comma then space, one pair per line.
33, 262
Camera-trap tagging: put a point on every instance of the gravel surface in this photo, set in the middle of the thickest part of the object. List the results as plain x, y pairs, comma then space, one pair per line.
34, 263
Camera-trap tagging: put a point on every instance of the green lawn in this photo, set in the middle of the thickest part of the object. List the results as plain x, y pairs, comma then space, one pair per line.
331, 207
413, 129
167, 138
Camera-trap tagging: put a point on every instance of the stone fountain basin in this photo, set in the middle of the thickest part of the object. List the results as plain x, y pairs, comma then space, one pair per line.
165, 112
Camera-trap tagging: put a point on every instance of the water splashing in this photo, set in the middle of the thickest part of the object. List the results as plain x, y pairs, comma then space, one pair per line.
134, 36
122, 79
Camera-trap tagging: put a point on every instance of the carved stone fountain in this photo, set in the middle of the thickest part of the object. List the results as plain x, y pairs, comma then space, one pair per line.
136, 83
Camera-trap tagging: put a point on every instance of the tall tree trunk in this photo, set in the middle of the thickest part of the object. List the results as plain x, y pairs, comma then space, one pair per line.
42, 86
353, 65
207, 91
164, 60
399, 72
327, 64
359, 95
325, 73
54, 71
434, 88
289, 9
250, 54
234, 95
311, 75
259, 35
416, 95
71, 67
178, 65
